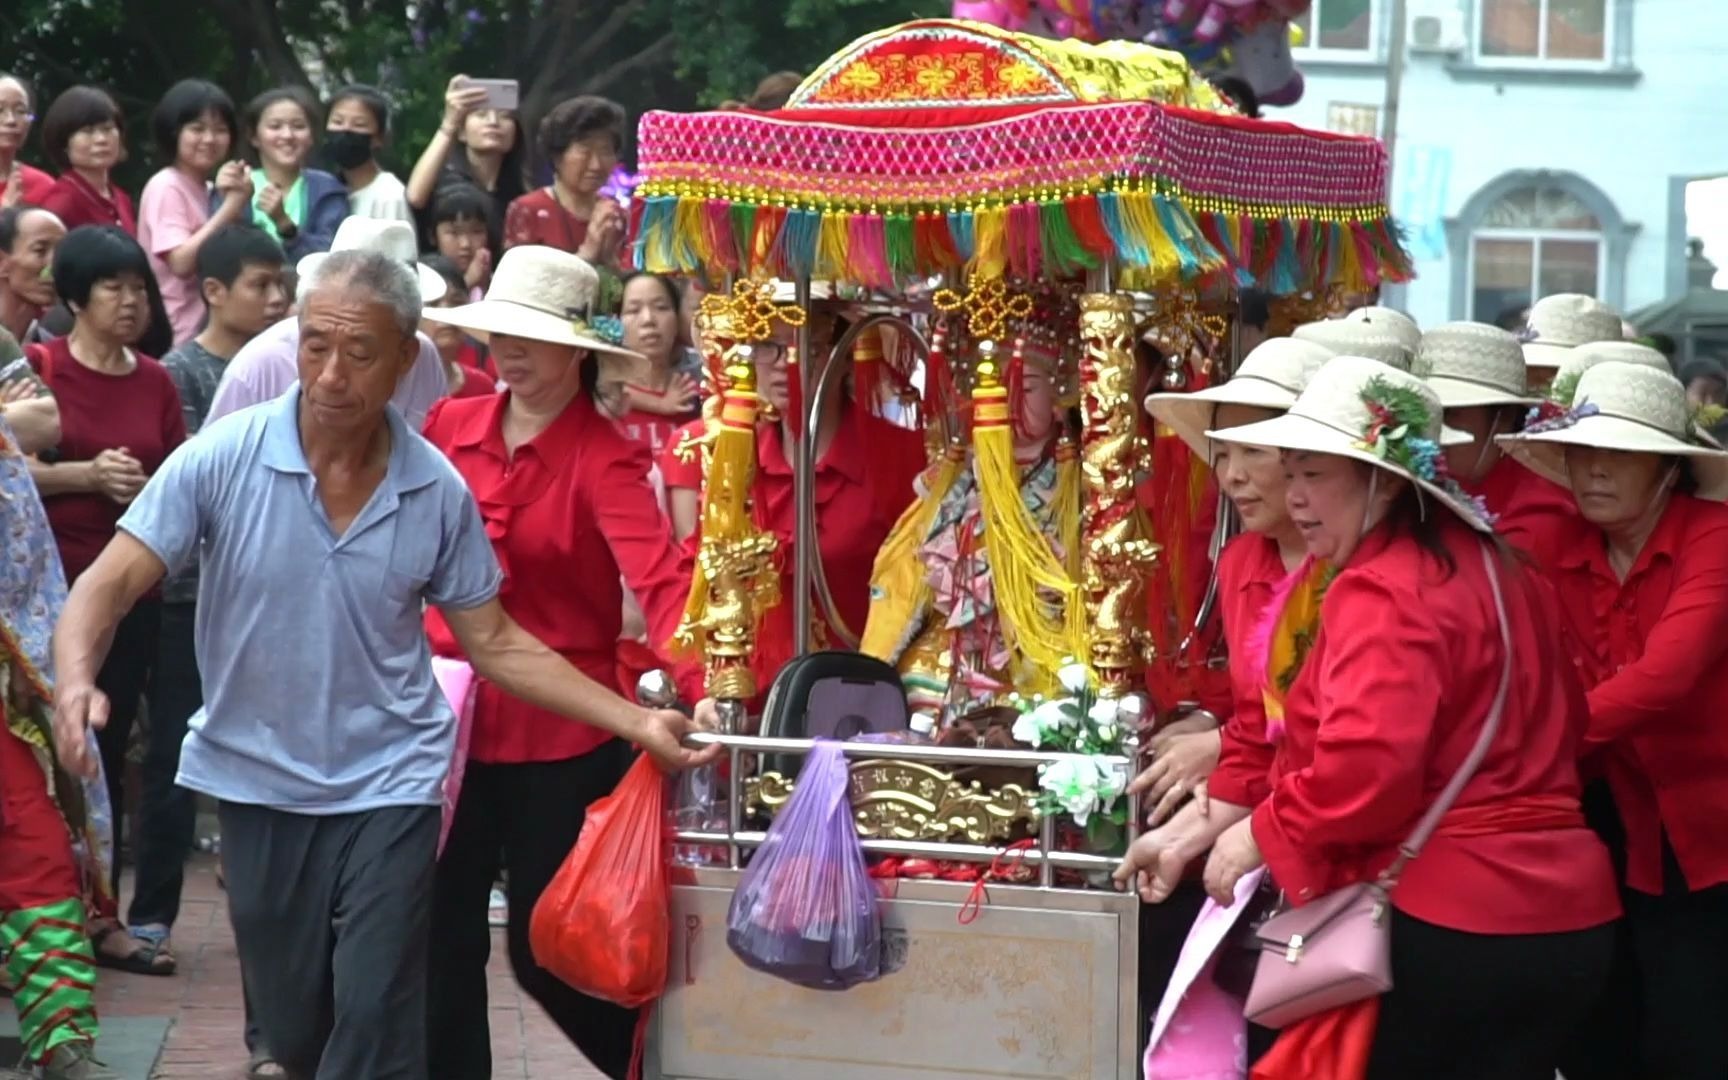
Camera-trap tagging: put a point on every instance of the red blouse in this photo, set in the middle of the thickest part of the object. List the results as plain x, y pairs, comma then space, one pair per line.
35, 182
138, 411
567, 514
538, 218
1653, 653
1249, 570
475, 383
1388, 705
76, 203
851, 520
1535, 516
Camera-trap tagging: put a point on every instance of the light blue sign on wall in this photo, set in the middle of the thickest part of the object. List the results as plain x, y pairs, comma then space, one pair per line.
1419, 198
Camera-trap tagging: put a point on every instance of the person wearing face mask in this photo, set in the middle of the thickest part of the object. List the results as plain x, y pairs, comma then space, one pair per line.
356, 129
1426, 661
475, 145
194, 127
1643, 585
19, 183
299, 206
84, 137
28, 237
582, 138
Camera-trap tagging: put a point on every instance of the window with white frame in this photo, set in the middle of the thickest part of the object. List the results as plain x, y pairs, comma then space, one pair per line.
1552, 31
1534, 242
1338, 26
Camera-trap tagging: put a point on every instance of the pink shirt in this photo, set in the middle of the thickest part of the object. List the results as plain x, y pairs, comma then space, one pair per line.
172, 208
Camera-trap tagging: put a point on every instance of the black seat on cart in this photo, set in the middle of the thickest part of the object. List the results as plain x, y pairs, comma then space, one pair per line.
833, 695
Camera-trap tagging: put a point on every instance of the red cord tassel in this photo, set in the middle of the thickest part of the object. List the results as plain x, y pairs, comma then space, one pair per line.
1088, 226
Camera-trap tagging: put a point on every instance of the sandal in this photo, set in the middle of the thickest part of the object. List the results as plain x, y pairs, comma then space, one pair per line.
265, 1067
150, 957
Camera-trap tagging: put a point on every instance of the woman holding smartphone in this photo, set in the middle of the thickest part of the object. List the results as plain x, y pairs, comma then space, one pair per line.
478, 143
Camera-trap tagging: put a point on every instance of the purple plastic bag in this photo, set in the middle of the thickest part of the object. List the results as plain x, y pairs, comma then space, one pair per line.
805, 910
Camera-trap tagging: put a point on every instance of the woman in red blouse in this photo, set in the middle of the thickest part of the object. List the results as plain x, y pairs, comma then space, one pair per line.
581, 138
84, 137
1645, 586
567, 503
120, 416
19, 183
1500, 930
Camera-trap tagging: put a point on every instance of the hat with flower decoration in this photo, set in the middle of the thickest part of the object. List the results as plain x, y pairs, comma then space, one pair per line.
1363, 409
539, 293
1628, 407
1346, 337
1559, 323
1269, 377
1472, 364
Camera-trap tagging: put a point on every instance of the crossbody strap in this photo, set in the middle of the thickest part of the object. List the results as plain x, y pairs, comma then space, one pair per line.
1419, 836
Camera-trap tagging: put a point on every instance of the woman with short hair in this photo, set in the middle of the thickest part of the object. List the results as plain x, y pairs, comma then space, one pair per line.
120, 417
180, 209
84, 138
581, 140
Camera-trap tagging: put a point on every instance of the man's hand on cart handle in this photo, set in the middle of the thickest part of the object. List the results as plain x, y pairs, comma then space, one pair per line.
661, 733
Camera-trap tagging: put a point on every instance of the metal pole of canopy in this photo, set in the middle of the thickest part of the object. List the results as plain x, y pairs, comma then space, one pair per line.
803, 490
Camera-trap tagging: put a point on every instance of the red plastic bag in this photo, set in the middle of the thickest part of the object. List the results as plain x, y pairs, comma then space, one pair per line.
603, 924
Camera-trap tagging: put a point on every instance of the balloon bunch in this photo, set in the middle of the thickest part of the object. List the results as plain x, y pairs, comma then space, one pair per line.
1046, 18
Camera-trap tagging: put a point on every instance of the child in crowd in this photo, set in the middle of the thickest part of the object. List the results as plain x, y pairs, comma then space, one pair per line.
357, 128
461, 355
459, 223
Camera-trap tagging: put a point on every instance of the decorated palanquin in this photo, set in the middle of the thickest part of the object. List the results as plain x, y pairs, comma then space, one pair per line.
1053, 225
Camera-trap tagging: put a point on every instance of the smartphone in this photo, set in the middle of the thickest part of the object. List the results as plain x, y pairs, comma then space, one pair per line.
505, 94
20, 370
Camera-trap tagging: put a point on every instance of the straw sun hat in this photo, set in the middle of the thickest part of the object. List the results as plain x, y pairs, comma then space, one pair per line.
1393, 321
392, 238
1353, 337
1565, 385
1562, 322
1363, 409
1269, 377
539, 293
1622, 406
1473, 364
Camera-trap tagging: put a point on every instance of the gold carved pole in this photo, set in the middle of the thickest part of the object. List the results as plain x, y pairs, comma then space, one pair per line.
1117, 552
734, 579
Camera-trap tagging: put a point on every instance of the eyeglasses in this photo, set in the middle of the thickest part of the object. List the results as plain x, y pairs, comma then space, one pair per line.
17, 112
771, 353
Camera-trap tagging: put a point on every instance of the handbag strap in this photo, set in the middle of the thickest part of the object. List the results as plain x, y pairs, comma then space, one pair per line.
1412, 845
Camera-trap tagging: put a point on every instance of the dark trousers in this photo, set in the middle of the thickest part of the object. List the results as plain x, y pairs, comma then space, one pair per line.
1480, 1006
167, 812
331, 917
1680, 941
123, 678
524, 819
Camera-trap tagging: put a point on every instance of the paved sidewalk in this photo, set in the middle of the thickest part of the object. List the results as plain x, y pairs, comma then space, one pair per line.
202, 1002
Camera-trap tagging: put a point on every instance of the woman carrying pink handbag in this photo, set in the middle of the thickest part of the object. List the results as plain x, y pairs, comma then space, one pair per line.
1446, 913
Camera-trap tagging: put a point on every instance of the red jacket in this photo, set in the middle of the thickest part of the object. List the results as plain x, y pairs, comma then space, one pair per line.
1652, 652
569, 513
1249, 570
1390, 701
1535, 516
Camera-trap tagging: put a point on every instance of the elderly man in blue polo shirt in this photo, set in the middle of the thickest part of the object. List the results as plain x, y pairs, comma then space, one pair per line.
323, 524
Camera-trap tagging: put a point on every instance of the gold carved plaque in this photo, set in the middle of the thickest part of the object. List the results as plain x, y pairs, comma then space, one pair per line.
906, 800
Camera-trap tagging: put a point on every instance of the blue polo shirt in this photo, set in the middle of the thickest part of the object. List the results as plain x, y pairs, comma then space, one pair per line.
318, 688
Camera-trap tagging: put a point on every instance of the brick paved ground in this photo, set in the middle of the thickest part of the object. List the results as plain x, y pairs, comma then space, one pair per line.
203, 1002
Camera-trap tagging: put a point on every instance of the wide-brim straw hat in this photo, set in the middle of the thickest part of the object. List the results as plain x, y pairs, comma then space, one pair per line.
1369, 411
1395, 322
1581, 359
1269, 377
394, 239
539, 293
1627, 407
1472, 364
1562, 322
1356, 338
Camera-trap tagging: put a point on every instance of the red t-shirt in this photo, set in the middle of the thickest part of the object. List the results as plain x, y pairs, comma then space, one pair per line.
1390, 702
475, 383
568, 514
36, 184
653, 430
1654, 649
536, 218
139, 411
76, 203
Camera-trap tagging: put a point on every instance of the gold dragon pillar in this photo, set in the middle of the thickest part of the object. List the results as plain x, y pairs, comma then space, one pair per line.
1116, 552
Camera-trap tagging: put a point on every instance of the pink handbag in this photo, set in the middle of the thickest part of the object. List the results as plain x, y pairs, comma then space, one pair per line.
1337, 950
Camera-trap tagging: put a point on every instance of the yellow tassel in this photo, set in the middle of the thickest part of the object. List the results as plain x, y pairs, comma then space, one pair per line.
831, 247
989, 244
1043, 618
1068, 505
1142, 217
689, 226
1350, 272
899, 584
725, 496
